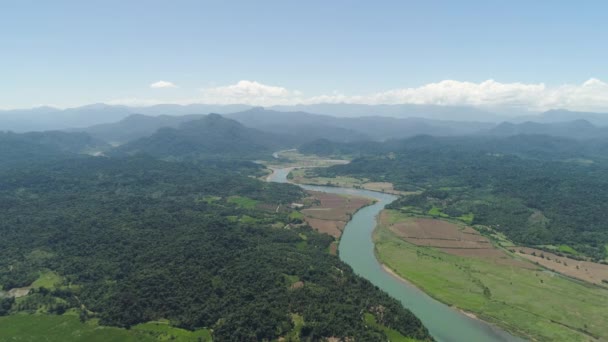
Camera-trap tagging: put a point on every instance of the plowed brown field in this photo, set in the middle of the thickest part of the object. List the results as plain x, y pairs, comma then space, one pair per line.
330, 212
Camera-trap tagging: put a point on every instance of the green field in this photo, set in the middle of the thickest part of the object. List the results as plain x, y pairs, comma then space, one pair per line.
531, 302
567, 249
66, 328
301, 176
48, 280
243, 202
436, 212
294, 158
392, 334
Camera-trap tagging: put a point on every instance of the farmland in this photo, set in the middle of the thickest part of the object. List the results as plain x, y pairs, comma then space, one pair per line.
304, 176
329, 213
494, 284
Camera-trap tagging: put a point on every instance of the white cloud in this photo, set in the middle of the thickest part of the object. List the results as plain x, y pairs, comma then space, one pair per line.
162, 84
250, 92
591, 95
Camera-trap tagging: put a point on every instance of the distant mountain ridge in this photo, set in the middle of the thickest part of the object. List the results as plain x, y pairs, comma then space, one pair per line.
210, 136
344, 129
562, 115
577, 129
49, 118
136, 126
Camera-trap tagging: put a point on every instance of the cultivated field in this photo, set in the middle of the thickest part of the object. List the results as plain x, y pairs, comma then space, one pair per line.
498, 286
301, 176
329, 213
585, 270
447, 237
291, 158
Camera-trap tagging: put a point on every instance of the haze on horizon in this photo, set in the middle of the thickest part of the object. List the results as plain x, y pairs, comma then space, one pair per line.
501, 56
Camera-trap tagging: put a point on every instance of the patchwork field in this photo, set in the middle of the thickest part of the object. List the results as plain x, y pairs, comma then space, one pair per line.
584, 270
292, 158
494, 284
301, 176
447, 237
329, 213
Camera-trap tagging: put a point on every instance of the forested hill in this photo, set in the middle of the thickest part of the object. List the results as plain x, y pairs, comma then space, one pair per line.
136, 239
577, 129
534, 201
34, 147
541, 147
211, 136
136, 126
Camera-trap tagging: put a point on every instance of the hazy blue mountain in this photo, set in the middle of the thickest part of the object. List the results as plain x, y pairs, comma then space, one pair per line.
301, 126
308, 127
562, 115
48, 118
210, 136
578, 129
136, 126
454, 113
172, 109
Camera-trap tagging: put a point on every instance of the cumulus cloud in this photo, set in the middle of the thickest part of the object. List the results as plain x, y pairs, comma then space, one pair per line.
162, 84
250, 92
591, 95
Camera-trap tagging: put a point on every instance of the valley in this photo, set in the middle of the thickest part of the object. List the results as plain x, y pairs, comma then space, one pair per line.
303, 171
484, 274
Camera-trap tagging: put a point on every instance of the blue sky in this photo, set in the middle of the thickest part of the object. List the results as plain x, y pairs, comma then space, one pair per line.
69, 53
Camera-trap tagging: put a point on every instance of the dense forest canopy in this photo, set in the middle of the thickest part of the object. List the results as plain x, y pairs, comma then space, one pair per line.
137, 239
528, 188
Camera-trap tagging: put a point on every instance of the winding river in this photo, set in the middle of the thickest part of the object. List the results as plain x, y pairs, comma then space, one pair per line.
357, 249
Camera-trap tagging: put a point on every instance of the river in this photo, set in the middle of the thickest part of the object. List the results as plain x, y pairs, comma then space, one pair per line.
356, 248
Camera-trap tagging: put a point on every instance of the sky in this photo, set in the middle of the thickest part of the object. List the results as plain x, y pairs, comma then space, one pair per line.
534, 55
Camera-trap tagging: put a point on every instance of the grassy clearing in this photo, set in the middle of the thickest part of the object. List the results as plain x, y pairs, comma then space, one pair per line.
467, 218
567, 249
243, 202
531, 302
66, 328
296, 215
48, 279
162, 331
208, 199
436, 212
294, 334
392, 334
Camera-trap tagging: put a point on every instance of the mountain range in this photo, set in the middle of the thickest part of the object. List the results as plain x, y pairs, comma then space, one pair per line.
210, 136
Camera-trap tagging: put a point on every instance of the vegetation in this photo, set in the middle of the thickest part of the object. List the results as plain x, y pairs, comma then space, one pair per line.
126, 242
527, 300
531, 196
211, 136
